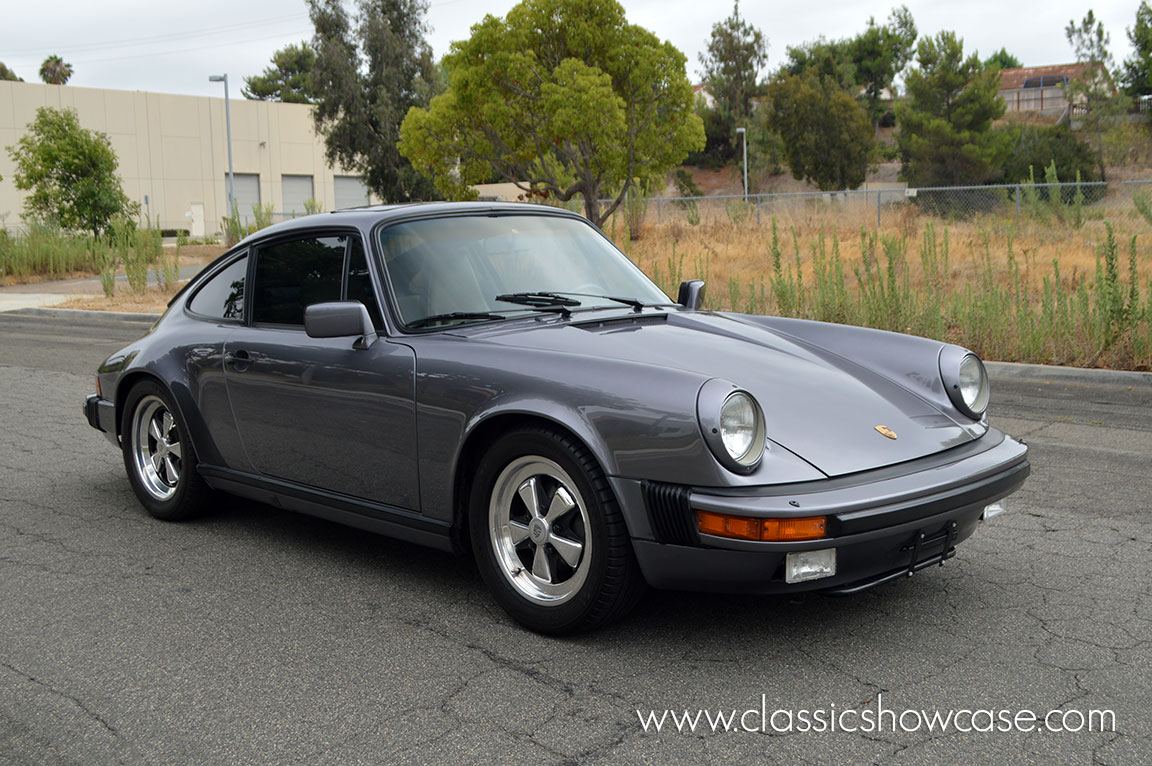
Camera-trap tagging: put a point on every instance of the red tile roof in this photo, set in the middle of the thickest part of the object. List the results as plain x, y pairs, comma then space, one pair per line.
1010, 79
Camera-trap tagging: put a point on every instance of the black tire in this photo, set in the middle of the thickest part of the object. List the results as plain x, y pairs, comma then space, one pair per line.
185, 497
608, 584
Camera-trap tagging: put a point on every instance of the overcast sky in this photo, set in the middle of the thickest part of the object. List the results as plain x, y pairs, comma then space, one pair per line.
172, 47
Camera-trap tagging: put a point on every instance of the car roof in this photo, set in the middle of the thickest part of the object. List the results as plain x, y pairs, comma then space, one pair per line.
369, 215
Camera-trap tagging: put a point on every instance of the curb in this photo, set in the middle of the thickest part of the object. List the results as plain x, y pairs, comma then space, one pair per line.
1071, 375
124, 316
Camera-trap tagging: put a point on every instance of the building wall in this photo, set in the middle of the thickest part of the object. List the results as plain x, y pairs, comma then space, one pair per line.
172, 148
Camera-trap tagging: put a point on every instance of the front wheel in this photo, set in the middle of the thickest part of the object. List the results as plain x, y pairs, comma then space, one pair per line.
158, 456
548, 535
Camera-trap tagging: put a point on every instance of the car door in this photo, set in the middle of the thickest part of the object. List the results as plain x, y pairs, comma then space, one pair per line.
317, 411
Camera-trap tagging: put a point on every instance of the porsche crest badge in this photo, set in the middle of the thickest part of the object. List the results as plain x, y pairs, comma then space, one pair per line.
886, 431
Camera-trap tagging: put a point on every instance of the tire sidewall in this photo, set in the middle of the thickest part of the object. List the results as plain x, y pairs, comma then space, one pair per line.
555, 618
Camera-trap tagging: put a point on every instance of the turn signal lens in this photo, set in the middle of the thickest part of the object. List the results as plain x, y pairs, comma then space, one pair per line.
781, 530
98, 391
723, 525
766, 530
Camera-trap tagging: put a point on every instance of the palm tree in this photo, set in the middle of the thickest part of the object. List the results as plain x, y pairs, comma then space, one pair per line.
55, 71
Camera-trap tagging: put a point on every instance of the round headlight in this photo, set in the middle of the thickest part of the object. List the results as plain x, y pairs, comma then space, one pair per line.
742, 428
973, 382
965, 380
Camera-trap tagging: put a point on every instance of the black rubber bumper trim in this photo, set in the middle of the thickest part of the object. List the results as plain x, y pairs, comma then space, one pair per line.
999, 485
670, 513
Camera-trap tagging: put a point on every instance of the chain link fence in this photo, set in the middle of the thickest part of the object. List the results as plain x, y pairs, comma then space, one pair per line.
885, 207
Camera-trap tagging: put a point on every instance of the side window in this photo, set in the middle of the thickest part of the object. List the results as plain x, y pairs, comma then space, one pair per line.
222, 296
294, 274
360, 282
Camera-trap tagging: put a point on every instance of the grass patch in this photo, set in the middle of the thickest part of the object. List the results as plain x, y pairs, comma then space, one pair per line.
1075, 292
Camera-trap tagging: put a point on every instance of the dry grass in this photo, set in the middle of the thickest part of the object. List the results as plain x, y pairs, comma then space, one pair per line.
153, 301
1059, 285
719, 250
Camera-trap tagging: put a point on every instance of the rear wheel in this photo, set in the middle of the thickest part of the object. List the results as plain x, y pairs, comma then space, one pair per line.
158, 456
548, 535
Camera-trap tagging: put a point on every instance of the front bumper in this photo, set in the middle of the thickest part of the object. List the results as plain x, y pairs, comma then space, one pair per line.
101, 415
883, 524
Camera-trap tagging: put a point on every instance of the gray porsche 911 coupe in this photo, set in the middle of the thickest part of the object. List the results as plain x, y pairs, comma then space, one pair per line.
500, 378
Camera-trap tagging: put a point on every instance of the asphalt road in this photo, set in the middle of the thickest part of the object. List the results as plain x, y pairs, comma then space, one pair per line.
255, 636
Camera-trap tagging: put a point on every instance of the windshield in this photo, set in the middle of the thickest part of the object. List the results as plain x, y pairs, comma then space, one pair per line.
456, 268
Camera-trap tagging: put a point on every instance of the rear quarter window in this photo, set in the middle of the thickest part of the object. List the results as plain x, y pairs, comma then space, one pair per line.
222, 296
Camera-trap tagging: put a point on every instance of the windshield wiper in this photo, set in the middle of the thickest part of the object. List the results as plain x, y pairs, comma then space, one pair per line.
452, 316
635, 303
541, 302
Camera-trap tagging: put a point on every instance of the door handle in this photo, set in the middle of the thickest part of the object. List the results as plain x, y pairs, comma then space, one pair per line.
239, 359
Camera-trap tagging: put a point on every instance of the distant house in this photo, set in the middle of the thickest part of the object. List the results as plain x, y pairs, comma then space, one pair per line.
701, 92
1038, 88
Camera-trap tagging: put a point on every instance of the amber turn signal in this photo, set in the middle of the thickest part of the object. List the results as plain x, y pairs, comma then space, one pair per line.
764, 530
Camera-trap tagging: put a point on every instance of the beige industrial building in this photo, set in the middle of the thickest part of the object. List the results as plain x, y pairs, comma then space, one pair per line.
174, 156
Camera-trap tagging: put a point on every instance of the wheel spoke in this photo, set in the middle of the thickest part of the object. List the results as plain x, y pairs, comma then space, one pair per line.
175, 449
168, 423
540, 566
154, 430
562, 502
518, 531
528, 494
157, 461
569, 550
173, 472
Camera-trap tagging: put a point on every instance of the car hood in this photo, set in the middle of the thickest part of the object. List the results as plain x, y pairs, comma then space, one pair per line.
819, 406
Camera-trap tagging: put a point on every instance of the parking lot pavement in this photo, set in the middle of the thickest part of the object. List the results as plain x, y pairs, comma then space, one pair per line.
259, 636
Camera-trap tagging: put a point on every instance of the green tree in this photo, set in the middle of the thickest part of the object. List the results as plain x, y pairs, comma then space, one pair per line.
288, 79
1137, 70
737, 51
1093, 88
370, 69
55, 71
8, 74
1037, 147
70, 172
824, 58
880, 54
946, 135
1002, 59
562, 98
827, 136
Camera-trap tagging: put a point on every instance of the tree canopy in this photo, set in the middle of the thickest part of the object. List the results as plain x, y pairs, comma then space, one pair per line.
1093, 87
288, 78
879, 54
55, 71
827, 136
867, 64
8, 74
736, 53
1137, 69
946, 135
1002, 59
70, 172
562, 98
370, 69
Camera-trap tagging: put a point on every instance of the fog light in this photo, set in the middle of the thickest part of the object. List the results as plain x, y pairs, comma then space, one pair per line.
809, 565
993, 510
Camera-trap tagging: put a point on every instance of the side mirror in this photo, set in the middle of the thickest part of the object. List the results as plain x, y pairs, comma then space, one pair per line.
340, 319
691, 293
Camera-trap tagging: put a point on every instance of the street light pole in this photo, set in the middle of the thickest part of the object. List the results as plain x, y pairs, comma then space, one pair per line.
744, 133
228, 130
